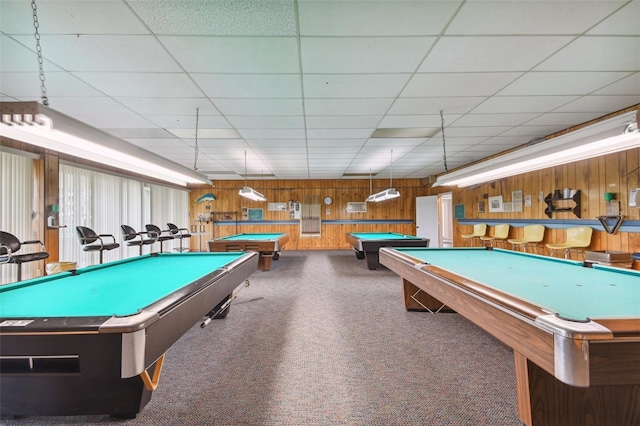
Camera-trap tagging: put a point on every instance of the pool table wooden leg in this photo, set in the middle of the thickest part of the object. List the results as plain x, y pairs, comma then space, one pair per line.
544, 400
264, 262
416, 299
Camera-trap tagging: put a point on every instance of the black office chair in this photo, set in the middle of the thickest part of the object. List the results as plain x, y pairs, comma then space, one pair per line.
133, 238
180, 233
91, 241
152, 229
10, 245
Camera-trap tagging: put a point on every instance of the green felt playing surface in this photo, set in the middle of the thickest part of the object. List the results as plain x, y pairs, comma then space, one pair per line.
260, 237
118, 288
563, 287
382, 236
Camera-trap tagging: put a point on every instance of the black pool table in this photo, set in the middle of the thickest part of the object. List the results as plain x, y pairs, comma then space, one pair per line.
367, 244
92, 341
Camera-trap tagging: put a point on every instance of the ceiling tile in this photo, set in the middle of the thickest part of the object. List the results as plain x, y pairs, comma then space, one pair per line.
481, 54
249, 85
369, 106
561, 83
457, 84
362, 54
529, 17
353, 85
146, 85
263, 107
251, 55
596, 54
107, 53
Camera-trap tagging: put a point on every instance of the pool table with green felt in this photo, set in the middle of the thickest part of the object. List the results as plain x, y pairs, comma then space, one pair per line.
575, 331
92, 341
267, 245
367, 244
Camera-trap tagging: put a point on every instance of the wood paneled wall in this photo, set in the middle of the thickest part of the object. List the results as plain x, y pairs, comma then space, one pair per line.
311, 191
617, 173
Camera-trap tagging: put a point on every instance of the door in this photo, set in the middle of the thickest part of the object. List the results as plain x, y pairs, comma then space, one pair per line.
445, 219
427, 219
434, 219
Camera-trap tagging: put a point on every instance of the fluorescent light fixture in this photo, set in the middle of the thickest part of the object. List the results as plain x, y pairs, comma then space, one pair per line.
252, 194
606, 137
38, 125
387, 194
248, 192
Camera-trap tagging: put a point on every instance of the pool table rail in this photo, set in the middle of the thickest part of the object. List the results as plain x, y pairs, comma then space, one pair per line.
115, 365
560, 365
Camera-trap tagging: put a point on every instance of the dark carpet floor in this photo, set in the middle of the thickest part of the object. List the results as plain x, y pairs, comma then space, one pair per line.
322, 340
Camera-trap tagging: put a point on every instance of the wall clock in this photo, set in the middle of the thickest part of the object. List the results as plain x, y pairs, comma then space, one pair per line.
328, 201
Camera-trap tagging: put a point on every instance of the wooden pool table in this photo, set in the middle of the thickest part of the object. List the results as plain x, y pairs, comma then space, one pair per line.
92, 341
574, 331
268, 246
367, 244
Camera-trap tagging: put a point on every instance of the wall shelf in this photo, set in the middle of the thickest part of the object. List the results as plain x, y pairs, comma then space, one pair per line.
555, 205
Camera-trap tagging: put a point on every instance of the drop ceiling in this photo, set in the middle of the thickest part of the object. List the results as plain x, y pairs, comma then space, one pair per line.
325, 89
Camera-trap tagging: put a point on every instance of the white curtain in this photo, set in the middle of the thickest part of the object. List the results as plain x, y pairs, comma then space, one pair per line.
169, 205
16, 209
103, 202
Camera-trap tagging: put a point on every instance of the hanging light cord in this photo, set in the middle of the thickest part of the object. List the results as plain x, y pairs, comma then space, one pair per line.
391, 179
444, 145
36, 25
245, 169
197, 150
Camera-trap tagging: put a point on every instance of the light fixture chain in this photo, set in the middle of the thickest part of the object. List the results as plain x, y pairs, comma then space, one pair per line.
197, 149
36, 25
444, 144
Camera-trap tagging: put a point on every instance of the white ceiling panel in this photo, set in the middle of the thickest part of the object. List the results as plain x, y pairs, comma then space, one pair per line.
146, 85
27, 85
521, 104
338, 133
249, 85
362, 54
457, 84
272, 133
354, 85
17, 57
626, 86
172, 106
262, 122
370, 106
259, 106
412, 121
248, 55
116, 53
480, 54
189, 122
116, 121
343, 122
222, 18
452, 105
530, 17
301, 86
71, 17
561, 83
623, 22
600, 104
366, 18
596, 54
